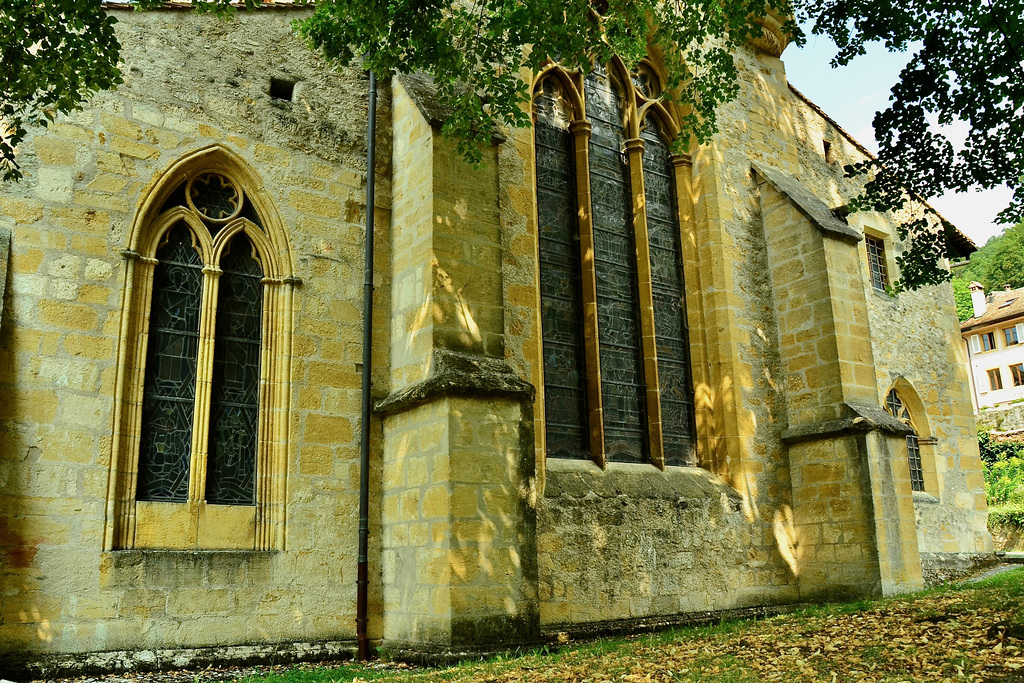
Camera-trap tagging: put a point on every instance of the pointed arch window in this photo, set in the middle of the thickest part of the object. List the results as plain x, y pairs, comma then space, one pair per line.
616, 364
201, 397
896, 407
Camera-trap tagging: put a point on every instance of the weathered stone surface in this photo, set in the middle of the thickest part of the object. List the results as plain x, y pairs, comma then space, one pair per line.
477, 539
809, 204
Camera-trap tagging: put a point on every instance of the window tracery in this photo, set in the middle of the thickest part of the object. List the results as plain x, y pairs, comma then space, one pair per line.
202, 405
617, 386
898, 409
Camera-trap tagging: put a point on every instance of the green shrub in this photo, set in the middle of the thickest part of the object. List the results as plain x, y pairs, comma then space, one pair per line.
992, 452
1006, 516
1004, 482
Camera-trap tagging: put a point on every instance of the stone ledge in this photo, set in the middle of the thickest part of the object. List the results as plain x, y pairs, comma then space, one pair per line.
459, 374
808, 203
170, 569
622, 627
946, 567
60, 665
860, 418
581, 478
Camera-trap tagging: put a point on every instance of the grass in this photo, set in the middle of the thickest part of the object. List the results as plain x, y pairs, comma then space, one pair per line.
939, 634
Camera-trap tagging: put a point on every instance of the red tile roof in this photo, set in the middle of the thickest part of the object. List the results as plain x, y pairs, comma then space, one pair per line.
1000, 306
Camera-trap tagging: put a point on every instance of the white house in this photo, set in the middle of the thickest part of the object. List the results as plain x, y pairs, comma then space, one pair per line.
994, 350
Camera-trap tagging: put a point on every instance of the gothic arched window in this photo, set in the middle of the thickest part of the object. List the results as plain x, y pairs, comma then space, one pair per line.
615, 346
898, 409
198, 458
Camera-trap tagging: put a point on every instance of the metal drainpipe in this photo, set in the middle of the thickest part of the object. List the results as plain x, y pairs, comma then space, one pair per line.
362, 572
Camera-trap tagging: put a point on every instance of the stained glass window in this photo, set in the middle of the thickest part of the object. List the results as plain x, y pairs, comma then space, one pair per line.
895, 406
169, 390
618, 305
214, 197
624, 308
234, 407
669, 311
565, 401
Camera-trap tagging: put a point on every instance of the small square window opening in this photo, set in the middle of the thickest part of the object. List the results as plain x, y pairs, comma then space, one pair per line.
282, 89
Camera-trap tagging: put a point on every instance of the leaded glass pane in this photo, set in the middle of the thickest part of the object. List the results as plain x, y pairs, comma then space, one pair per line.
677, 422
215, 197
565, 403
168, 399
234, 406
898, 409
914, 457
618, 309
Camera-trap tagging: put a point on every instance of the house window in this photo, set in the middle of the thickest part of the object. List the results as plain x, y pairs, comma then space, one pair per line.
203, 358
988, 341
611, 279
897, 408
1018, 374
995, 379
1010, 335
876, 263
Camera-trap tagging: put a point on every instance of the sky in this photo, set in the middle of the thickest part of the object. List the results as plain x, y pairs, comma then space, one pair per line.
852, 94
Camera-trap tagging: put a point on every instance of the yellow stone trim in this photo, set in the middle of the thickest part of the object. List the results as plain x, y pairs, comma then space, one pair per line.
693, 300
132, 523
588, 283
636, 109
649, 345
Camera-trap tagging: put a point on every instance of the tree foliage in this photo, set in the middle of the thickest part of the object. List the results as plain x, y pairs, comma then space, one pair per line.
967, 67
962, 297
477, 51
1000, 262
53, 55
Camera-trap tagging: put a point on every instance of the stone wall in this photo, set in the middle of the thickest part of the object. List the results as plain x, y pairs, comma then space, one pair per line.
476, 540
190, 82
1003, 418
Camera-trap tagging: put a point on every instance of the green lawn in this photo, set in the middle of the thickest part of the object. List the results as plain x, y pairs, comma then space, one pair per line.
963, 632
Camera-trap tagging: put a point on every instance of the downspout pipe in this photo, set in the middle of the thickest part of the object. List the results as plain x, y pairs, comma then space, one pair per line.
362, 570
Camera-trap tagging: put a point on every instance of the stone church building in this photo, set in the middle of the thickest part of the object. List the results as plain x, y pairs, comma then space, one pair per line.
614, 385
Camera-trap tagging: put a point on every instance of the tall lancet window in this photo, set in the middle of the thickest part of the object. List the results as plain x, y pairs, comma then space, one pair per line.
199, 453
565, 401
618, 305
168, 403
668, 290
236, 378
615, 344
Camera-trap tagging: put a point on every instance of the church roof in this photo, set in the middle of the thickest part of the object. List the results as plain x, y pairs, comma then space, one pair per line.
964, 244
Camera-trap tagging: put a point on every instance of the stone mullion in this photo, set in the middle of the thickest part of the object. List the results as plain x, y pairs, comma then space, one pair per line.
204, 381
272, 442
652, 394
128, 412
700, 382
588, 283
266, 444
